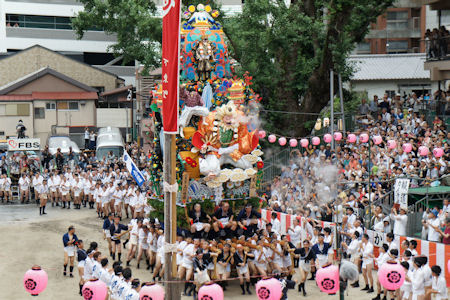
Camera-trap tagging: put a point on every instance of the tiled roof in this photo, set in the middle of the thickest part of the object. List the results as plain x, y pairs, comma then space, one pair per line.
51, 96
389, 67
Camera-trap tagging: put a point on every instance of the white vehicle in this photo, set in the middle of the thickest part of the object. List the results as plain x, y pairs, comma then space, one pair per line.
109, 140
63, 142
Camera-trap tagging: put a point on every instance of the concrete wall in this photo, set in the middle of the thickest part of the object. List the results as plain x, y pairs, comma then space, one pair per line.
378, 87
45, 84
116, 117
33, 59
8, 123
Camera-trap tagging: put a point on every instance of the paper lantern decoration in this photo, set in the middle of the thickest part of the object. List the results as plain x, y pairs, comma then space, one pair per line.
327, 278
326, 122
327, 138
272, 138
315, 141
392, 144
269, 289
377, 139
363, 137
293, 143
210, 291
407, 147
282, 141
304, 143
152, 291
423, 151
261, 134
391, 275
351, 138
35, 280
318, 125
337, 136
438, 152
94, 289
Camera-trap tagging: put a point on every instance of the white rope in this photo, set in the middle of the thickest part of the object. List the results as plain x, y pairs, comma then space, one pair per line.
171, 188
170, 248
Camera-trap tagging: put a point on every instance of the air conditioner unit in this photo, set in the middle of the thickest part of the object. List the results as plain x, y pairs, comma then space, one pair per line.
83, 102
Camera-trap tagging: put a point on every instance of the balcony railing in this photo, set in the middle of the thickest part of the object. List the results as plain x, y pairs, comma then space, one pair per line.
437, 48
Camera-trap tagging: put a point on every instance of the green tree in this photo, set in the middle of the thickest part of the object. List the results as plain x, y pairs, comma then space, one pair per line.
288, 50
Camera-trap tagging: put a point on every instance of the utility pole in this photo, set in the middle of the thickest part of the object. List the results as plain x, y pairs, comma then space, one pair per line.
332, 106
341, 97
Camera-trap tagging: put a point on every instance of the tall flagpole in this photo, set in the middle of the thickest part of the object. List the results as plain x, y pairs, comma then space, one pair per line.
170, 90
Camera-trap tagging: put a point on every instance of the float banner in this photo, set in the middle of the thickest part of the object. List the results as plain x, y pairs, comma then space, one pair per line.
170, 64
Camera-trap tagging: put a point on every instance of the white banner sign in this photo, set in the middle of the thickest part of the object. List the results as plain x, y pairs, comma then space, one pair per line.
401, 191
24, 144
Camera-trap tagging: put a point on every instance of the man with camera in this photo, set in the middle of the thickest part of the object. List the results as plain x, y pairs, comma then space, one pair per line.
20, 128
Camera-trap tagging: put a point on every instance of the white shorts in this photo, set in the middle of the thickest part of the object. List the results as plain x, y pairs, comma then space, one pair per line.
127, 200
242, 270
70, 250
107, 233
198, 226
23, 190
261, 266
367, 262
187, 266
117, 201
81, 264
64, 193
210, 266
306, 266
53, 189
77, 194
287, 262
222, 270
143, 245
133, 240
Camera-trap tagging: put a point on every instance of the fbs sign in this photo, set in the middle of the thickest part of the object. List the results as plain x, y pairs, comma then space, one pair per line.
24, 144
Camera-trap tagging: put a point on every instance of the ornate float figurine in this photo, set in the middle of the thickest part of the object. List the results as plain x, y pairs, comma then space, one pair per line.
204, 57
223, 138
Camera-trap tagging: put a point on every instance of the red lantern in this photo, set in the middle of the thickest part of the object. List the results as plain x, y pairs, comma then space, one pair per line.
327, 279
210, 291
151, 291
391, 275
35, 280
269, 289
94, 289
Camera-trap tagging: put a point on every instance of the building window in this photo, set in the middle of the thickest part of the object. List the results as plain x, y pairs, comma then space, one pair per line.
48, 22
39, 113
397, 46
100, 89
363, 47
50, 105
67, 105
390, 94
14, 109
397, 20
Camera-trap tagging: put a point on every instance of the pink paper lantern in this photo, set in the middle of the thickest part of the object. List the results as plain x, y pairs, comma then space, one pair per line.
377, 139
351, 138
407, 147
363, 137
210, 291
304, 143
35, 280
392, 144
327, 138
282, 141
94, 289
152, 291
423, 151
315, 141
261, 134
269, 289
391, 275
337, 136
327, 278
293, 143
438, 152
272, 138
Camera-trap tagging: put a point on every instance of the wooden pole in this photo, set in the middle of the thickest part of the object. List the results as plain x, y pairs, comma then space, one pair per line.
170, 217
341, 96
332, 106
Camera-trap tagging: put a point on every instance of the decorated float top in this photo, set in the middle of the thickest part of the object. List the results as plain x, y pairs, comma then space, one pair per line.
218, 146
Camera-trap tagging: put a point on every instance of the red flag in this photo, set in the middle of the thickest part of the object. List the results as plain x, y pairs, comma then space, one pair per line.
170, 64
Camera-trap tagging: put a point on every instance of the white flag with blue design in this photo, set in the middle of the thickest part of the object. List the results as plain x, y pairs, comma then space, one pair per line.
133, 170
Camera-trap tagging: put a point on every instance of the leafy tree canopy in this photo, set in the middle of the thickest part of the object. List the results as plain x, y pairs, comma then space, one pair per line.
288, 49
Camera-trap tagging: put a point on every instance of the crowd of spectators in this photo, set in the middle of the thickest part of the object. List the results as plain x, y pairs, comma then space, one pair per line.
437, 42
320, 182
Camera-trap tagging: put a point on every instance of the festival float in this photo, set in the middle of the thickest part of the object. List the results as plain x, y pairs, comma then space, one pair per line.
218, 152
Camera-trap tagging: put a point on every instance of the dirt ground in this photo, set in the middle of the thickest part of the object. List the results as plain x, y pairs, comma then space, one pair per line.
30, 239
